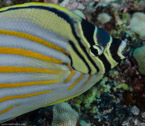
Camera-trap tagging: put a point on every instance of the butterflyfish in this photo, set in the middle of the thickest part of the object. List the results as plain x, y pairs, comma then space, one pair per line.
48, 55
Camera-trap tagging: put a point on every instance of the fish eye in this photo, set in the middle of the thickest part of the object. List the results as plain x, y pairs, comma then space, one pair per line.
96, 50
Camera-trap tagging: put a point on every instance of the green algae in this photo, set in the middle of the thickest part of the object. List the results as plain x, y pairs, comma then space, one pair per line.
92, 95
123, 86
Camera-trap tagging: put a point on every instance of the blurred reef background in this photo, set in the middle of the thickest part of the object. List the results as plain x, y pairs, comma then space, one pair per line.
119, 98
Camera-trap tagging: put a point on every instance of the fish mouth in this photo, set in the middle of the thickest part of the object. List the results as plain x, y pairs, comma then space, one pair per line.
126, 50
122, 49
123, 45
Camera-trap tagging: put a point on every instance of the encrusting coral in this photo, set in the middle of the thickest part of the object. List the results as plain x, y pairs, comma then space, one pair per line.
104, 18
139, 55
64, 115
137, 24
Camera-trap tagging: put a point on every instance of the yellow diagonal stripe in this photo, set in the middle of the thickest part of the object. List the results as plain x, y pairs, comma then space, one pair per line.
23, 96
70, 76
6, 110
90, 76
23, 52
74, 84
33, 38
11, 85
14, 69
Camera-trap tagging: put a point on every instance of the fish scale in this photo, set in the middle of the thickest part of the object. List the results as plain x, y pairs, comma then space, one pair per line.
49, 55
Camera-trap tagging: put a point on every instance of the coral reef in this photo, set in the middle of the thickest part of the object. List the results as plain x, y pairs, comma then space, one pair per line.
64, 115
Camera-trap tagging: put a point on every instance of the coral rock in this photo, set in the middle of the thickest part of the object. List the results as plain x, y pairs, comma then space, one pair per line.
135, 110
139, 55
137, 24
104, 18
64, 115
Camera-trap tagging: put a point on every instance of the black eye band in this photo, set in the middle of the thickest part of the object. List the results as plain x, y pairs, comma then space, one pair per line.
94, 51
114, 49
